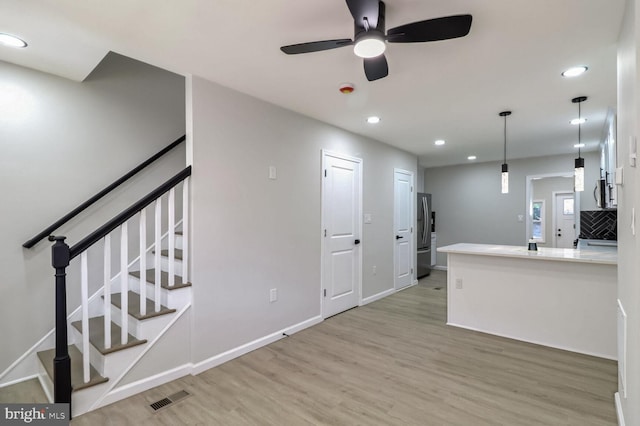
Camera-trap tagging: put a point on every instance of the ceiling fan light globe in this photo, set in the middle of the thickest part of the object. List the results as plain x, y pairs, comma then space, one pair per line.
369, 47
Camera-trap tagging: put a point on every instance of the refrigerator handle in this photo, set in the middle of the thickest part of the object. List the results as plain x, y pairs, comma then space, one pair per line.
425, 209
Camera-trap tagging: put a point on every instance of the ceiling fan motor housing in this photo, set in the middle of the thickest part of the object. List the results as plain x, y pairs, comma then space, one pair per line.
358, 30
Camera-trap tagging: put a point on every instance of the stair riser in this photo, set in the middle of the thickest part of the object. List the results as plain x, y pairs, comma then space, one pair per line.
146, 329
84, 399
174, 299
46, 381
179, 242
110, 365
164, 263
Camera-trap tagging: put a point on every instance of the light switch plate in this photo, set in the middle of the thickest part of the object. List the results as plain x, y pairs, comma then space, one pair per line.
633, 150
367, 218
619, 176
273, 174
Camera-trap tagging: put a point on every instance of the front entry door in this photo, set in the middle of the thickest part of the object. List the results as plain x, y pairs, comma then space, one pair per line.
341, 232
565, 231
403, 228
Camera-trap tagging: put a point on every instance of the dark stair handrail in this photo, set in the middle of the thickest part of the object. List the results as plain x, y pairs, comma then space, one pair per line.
105, 229
73, 213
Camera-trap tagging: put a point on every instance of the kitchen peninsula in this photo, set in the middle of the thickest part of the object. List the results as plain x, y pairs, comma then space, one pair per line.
563, 298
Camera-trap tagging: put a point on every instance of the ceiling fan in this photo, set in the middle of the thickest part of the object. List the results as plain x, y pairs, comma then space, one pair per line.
369, 35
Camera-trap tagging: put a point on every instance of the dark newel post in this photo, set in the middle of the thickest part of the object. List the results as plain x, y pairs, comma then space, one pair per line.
60, 257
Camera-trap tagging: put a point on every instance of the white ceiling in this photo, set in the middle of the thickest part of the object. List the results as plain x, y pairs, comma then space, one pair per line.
452, 90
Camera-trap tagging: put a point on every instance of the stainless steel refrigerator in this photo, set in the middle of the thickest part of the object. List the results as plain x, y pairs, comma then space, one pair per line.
424, 235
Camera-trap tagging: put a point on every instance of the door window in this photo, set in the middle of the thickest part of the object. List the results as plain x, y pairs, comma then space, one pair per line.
538, 220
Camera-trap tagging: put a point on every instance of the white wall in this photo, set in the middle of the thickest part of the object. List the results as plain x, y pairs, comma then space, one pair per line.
60, 143
629, 198
251, 234
471, 209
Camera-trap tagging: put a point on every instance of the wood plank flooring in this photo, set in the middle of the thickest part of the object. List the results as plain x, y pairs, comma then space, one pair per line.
392, 362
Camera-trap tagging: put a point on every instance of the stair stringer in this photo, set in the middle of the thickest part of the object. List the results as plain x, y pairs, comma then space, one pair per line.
118, 388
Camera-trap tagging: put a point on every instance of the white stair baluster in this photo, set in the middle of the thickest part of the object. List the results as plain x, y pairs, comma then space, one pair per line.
107, 291
143, 262
124, 282
171, 235
84, 295
158, 248
185, 231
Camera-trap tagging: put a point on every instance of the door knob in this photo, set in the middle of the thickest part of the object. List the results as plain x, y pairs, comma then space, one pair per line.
356, 242
398, 237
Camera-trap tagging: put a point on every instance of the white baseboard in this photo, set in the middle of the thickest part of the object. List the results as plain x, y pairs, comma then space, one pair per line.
378, 296
439, 268
251, 346
414, 283
619, 411
535, 342
134, 388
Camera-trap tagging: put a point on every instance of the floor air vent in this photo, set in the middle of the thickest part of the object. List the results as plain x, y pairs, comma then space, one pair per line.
165, 402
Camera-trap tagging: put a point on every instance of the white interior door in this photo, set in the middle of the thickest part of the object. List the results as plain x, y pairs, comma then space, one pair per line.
403, 228
564, 218
341, 219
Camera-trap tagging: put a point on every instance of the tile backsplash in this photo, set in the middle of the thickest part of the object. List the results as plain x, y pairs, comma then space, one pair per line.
599, 224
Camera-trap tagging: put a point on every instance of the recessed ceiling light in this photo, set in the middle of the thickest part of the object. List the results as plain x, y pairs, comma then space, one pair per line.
471, 157
12, 41
439, 142
575, 71
373, 119
579, 145
577, 121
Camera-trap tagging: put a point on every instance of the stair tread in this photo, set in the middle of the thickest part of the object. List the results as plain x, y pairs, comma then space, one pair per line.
134, 306
177, 253
164, 279
77, 374
96, 336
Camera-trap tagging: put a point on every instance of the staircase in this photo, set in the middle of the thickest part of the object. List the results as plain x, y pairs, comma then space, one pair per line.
113, 330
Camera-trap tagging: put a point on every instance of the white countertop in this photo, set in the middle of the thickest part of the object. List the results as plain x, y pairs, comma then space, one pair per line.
609, 257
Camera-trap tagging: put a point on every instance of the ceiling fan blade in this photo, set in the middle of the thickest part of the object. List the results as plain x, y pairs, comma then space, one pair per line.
431, 30
364, 8
376, 68
315, 46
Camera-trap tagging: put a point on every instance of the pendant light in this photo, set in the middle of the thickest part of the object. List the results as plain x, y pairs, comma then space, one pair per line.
505, 167
578, 182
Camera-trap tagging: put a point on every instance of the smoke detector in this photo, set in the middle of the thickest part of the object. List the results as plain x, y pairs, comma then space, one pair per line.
347, 88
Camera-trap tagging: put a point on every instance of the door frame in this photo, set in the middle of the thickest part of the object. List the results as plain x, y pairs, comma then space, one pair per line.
554, 206
529, 200
412, 241
328, 153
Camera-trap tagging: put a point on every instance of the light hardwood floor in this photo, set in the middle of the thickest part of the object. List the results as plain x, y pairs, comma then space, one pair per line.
392, 362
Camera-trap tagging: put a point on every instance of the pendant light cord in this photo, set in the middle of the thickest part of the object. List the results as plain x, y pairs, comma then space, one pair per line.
579, 120
505, 139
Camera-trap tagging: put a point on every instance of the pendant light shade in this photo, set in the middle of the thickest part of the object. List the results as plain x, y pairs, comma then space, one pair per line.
578, 180
505, 166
